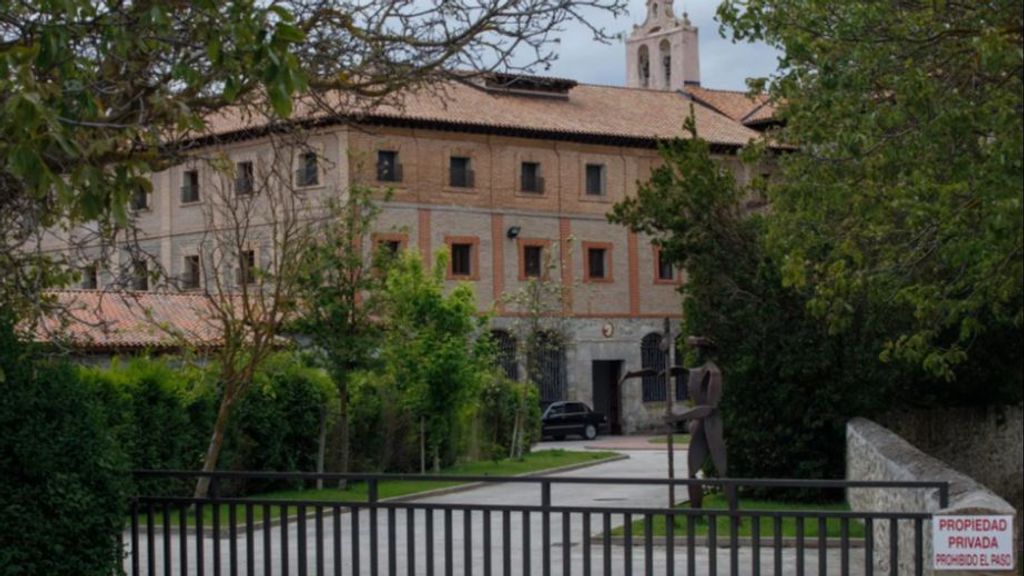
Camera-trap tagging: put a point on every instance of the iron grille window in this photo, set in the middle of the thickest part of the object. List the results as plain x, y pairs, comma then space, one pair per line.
533, 257
308, 173
140, 275
595, 179
460, 173
388, 168
549, 372
140, 199
530, 179
596, 268
506, 356
462, 259
665, 269
190, 187
190, 278
652, 356
245, 178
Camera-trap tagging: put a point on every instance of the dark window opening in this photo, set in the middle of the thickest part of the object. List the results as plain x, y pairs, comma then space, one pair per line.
595, 179
460, 173
666, 271
390, 247
596, 268
462, 264
140, 275
90, 277
652, 356
308, 173
245, 178
190, 278
140, 199
530, 179
533, 261
190, 187
388, 168
247, 267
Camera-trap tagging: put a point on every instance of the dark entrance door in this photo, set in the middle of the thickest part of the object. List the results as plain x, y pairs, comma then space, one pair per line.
607, 397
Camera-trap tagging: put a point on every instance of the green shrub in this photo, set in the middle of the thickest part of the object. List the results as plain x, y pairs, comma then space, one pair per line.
384, 436
160, 412
63, 482
276, 426
500, 399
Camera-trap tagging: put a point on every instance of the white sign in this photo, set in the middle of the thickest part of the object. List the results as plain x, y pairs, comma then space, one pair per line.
972, 542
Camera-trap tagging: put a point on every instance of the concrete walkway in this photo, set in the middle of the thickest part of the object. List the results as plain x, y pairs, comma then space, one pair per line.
527, 553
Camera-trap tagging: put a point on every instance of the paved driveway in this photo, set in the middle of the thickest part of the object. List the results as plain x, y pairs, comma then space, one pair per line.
526, 546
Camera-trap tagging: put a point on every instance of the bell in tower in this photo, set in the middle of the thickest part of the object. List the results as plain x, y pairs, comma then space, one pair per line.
662, 53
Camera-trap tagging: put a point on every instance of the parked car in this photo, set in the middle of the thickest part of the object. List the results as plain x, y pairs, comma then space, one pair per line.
564, 418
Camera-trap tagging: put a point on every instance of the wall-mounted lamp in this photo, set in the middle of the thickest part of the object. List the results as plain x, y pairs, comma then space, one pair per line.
513, 232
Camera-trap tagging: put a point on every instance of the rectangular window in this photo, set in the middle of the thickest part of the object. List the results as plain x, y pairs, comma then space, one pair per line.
666, 271
533, 261
140, 199
247, 267
530, 179
190, 187
596, 263
460, 172
191, 273
245, 178
390, 247
140, 275
308, 173
388, 168
90, 277
595, 179
462, 260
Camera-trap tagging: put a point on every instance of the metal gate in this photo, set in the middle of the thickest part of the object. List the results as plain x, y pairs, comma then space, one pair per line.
219, 535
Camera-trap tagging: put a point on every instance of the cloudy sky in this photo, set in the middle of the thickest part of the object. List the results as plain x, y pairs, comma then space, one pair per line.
723, 64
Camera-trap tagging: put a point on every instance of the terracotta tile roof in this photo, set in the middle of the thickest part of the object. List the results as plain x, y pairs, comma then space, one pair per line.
585, 111
738, 106
95, 320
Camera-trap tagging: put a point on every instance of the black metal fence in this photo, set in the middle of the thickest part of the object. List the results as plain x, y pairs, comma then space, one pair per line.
470, 533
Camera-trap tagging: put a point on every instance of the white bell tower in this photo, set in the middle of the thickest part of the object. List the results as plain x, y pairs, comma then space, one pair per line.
662, 52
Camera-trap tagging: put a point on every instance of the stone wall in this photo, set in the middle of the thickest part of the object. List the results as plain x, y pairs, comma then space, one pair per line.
984, 443
876, 453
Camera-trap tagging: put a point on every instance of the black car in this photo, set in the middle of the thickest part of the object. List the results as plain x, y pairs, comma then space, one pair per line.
564, 418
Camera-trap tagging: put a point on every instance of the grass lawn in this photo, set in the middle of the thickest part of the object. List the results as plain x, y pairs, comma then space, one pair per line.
358, 491
677, 439
718, 502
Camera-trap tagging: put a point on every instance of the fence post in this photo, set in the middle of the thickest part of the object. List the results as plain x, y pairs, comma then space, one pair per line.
372, 496
545, 503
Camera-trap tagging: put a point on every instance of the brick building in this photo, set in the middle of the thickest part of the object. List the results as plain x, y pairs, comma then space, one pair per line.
504, 172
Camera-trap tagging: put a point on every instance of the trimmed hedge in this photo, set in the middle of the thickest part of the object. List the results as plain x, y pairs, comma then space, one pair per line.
63, 481
161, 411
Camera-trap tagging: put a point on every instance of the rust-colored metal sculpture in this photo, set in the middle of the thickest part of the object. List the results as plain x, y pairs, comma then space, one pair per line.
707, 438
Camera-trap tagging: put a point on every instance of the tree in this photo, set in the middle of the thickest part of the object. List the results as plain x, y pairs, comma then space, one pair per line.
259, 228
904, 197
790, 386
98, 95
340, 287
430, 351
540, 325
